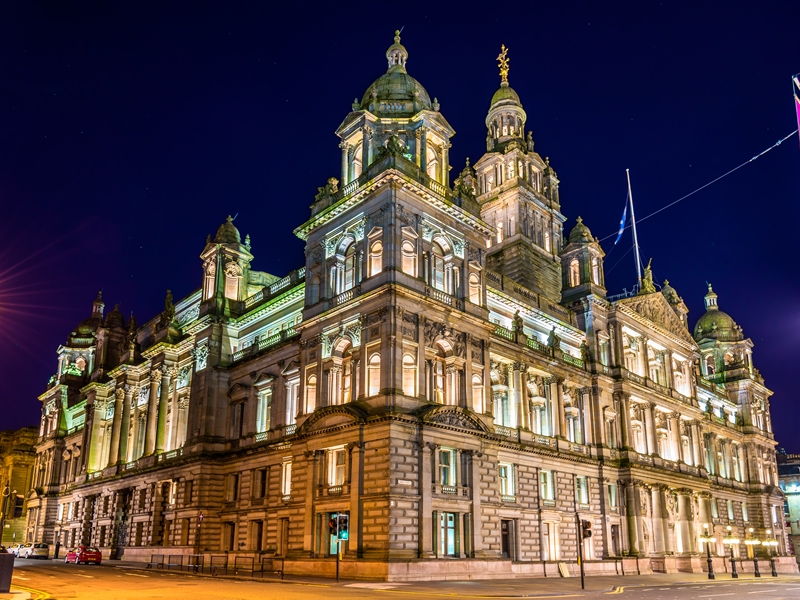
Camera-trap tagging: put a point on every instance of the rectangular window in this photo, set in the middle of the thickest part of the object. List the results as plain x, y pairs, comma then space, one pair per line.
60, 516
506, 474
259, 483
774, 510
550, 541
232, 490
337, 463
286, 477
744, 512
546, 485
730, 510
263, 409
714, 509
187, 492
612, 496
447, 466
447, 534
582, 490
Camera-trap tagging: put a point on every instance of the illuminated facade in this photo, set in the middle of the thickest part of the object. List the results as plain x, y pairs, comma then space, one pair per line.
446, 369
17, 455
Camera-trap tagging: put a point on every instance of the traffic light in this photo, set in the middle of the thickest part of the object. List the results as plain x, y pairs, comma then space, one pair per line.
333, 525
343, 526
586, 528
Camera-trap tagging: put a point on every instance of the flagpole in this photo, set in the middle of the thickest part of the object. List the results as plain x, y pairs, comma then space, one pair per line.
633, 223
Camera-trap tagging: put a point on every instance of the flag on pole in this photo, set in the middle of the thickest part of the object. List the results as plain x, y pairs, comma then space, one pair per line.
625, 218
796, 87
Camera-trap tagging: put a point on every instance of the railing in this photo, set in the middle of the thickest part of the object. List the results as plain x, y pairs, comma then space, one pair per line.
509, 499
335, 490
275, 287
512, 434
344, 297
444, 298
504, 333
262, 436
545, 441
450, 490
572, 360
264, 343
538, 346
291, 429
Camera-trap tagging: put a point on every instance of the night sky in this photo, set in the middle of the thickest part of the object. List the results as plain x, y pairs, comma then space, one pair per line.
130, 130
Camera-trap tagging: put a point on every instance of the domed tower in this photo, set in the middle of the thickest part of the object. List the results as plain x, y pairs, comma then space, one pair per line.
226, 267
582, 265
396, 106
518, 195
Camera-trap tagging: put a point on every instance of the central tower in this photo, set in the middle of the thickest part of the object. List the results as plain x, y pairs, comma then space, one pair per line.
518, 195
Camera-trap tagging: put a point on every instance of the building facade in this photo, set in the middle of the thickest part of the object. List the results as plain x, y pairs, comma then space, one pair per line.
17, 456
789, 480
446, 369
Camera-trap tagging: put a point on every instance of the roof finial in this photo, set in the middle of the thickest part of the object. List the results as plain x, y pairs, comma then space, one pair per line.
502, 61
396, 36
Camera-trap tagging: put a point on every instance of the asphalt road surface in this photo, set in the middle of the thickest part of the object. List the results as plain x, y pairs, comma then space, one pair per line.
57, 581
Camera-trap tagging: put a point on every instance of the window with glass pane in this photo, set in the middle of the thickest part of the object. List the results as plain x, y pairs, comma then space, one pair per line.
447, 474
730, 510
582, 490
347, 375
612, 495
374, 374
439, 378
447, 534
438, 268
744, 512
286, 478
546, 484
349, 267
263, 408
409, 375
714, 509
506, 472
375, 258
409, 264
337, 461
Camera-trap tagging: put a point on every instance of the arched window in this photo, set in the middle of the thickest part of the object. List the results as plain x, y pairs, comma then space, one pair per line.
711, 366
233, 275
314, 294
595, 271
349, 275
574, 273
409, 375
357, 162
409, 264
208, 286
374, 374
311, 393
477, 394
437, 268
547, 241
475, 289
375, 258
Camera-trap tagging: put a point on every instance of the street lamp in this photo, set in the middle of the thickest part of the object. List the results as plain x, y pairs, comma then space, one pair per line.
771, 543
706, 537
730, 540
752, 541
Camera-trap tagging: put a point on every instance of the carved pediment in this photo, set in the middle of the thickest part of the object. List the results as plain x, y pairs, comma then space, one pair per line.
238, 391
331, 416
656, 309
454, 416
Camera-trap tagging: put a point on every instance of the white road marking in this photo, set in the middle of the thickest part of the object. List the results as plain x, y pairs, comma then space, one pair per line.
87, 576
762, 591
715, 595
135, 575
374, 586
21, 577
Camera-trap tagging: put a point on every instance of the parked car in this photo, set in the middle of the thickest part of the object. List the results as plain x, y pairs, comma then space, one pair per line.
83, 554
14, 549
23, 550
35, 551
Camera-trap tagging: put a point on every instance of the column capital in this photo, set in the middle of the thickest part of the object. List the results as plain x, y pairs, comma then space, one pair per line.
155, 375
119, 393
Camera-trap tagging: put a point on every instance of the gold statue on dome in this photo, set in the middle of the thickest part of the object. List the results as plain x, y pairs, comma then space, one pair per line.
647, 287
502, 60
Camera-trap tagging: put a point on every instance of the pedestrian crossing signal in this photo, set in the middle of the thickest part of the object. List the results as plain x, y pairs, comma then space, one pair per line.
343, 525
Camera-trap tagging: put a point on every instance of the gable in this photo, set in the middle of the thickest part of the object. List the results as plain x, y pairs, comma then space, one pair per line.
454, 416
655, 308
331, 416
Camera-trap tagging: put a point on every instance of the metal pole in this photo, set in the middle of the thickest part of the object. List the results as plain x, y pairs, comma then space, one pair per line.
338, 550
755, 564
633, 224
580, 549
734, 574
6, 494
708, 558
772, 562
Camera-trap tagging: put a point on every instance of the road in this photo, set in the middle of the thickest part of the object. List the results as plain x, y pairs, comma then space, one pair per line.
57, 581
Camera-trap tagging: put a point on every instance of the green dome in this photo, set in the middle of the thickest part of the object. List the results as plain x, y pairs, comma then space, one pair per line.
505, 94
580, 234
715, 324
396, 92
227, 233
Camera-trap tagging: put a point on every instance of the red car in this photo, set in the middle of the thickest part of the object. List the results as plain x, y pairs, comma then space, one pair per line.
83, 554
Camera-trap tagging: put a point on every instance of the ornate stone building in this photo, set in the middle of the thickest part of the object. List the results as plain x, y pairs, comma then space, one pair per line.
446, 369
17, 455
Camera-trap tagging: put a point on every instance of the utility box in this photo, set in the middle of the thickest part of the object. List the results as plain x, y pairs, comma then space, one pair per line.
6, 570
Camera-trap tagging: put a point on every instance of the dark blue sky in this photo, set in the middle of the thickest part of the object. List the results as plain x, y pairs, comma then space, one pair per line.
130, 130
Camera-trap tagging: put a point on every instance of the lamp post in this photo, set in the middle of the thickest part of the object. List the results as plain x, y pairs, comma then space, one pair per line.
730, 540
707, 539
752, 541
771, 543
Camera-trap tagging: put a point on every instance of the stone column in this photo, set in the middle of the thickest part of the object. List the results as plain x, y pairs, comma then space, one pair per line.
152, 413
126, 423
345, 167
113, 450
632, 511
425, 506
475, 483
560, 416
365, 149
743, 463
650, 424
644, 360
423, 158
520, 397
588, 416
685, 520
711, 451
697, 446
675, 428
163, 400
446, 163
660, 519
668, 374
625, 416
356, 490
